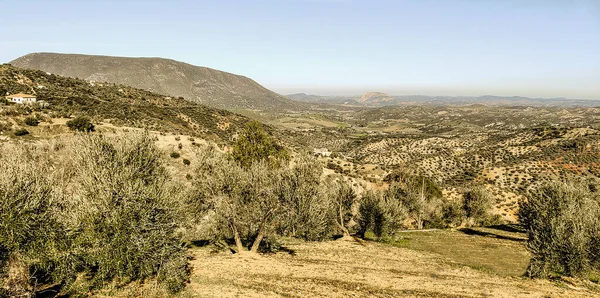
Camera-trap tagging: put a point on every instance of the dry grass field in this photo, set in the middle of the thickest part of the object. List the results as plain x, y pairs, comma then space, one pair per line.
347, 268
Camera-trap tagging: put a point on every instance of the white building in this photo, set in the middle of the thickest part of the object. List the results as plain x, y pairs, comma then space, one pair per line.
322, 152
21, 98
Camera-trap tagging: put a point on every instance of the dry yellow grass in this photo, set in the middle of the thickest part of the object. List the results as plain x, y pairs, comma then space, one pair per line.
352, 269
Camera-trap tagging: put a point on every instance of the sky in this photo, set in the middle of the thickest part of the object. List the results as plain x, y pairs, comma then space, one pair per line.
539, 48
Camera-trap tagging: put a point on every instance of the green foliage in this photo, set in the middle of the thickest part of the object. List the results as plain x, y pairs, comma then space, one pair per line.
344, 197
175, 155
21, 132
248, 204
380, 212
478, 204
31, 121
563, 225
254, 145
306, 205
32, 239
126, 212
81, 123
421, 197
453, 214
186, 162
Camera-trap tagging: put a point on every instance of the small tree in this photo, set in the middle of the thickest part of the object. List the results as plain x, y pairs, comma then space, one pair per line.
242, 199
306, 205
420, 196
21, 132
478, 204
343, 197
382, 212
254, 144
81, 123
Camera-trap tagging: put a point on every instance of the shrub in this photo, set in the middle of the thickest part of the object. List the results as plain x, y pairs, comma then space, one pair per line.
380, 212
81, 123
307, 206
31, 121
175, 155
563, 225
186, 162
32, 239
126, 212
21, 132
453, 213
254, 145
478, 204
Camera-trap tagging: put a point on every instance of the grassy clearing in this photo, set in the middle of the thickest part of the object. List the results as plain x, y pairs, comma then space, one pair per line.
487, 249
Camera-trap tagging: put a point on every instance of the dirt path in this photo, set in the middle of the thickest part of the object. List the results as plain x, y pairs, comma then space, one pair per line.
351, 269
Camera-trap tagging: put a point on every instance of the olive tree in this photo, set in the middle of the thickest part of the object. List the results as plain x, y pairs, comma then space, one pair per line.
478, 204
343, 197
420, 196
32, 238
125, 212
382, 212
563, 225
307, 206
245, 200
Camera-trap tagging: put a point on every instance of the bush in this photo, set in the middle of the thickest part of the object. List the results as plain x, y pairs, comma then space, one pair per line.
478, 204
255, 145
563, 225
380, 212
307, 206
186, 162
31, 121
175, 155
21, 132
126, 212
81, 123
32, 240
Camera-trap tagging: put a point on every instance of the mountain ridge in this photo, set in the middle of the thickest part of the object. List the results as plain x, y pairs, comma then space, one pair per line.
162, 75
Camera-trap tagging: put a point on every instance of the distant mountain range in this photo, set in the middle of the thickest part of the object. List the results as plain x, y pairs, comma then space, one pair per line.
164, 76
378, 99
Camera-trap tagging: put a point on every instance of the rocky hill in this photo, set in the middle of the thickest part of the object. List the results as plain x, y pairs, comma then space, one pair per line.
118, 104
199, 84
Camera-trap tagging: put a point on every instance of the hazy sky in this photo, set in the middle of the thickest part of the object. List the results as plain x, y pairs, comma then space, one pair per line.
447, 47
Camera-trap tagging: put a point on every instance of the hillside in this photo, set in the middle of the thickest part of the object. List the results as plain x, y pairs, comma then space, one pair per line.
199, 84
120, 105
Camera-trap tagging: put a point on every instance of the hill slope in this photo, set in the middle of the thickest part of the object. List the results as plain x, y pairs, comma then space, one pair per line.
200, 84
119, 104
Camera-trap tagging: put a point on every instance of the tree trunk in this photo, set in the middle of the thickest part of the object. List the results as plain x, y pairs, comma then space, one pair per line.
422, 206
261, 232
236, 237
341, 223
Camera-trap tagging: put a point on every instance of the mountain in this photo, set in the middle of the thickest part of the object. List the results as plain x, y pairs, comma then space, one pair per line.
119, 104
376, 98
199, 84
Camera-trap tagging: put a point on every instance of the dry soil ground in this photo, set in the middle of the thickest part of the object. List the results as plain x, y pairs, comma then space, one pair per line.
360, 269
